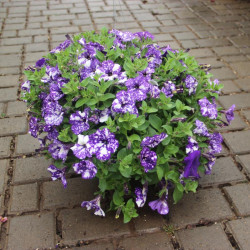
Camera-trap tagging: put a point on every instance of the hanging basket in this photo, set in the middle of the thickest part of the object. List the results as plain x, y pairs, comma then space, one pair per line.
117, 107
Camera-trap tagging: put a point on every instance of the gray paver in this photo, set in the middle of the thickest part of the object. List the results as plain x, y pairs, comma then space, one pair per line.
8, 94
80, 224
240, 197
236, 124
26, 144
238, 142
16, 108
5, 146
9, 81
244, 84
160, 241
196, 206
240, 101
240, 230
31, 232
245, 162
3, 167
242, 68
10, 126
24, 198
78, 190
31, 169
212, 237
224, 171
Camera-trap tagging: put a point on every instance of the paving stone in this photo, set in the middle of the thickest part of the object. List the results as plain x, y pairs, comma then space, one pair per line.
10, 70
10, 49
9, 81
35, 47
16, 40
243, 41
238, 142
5, 146
31, 169
2, 105
10, 126
78, 190
242, 68
230, 87
223, 74
185, 36
80, 224
240, 101
240, 231
213, 61
16, 108
3, 167
31, 232
224, 171
26, 144
200, 205
24, 198
234, 58
240, 197
163, 37
244, 84
212, 237
148, 221
8, 94
201, 53
94, 246
246, 113
159, 241
10, 60
226, 50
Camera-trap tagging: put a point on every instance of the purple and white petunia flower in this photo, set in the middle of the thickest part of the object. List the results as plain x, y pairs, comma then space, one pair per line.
26, 86
210, 164
201, 129
148, 159
110, 71
207, 108
191, 83
80, 149
57, 173
154, 91
169, 89
191, 164
53, 72
102, 143
34, 127
144, 35
82, 41
153, 54
192, 145
229, 113
87, 58
124, 103
141, 195
94, 204
55, 92
52, 132
61, 47
123, 36
160, 205
153, 141
215, 142
79, 121
58, 150
87, 169
138, 88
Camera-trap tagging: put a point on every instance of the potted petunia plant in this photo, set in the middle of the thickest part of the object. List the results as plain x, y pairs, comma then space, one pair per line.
118, 107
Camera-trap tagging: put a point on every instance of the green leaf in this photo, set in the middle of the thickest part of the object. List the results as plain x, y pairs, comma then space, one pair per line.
177, 195
102, 184
155, 121
171, 149
160, 171
117, 198
172, 175
106, 97
134, 137
122, 154
64, 136
125, 170
127, 160
191, 186
81, 102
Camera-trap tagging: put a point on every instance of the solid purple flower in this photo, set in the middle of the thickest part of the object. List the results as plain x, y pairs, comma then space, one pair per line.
169, 89
207, 108
138, 88
191, 164
201, 129
80, 149
58, 150
229, 114
103, 144
57, 173
87, 169
94, 204
192, 145
191, 83
40, 63
148, 159
124, 103
34, 127
215, 146
79, 122
153, 141
160, 205
141, 195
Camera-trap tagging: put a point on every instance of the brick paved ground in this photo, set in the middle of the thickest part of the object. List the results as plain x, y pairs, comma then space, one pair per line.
41, 214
